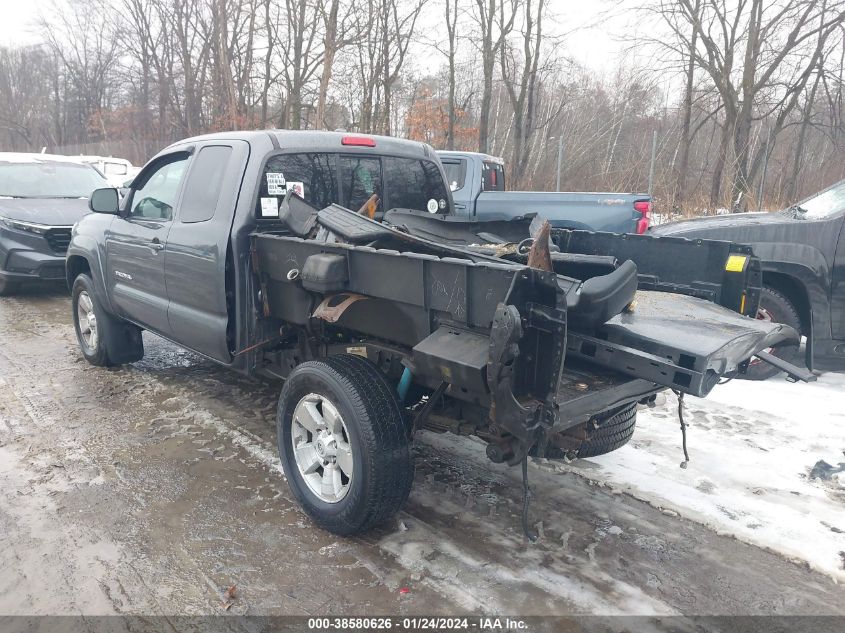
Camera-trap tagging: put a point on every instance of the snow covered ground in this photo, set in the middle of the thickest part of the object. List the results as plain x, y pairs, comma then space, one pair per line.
755, 471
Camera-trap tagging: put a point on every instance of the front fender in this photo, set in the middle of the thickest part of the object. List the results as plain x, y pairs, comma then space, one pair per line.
89, 246
806, 267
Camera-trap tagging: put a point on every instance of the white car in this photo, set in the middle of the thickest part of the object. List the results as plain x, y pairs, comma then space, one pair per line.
116, 170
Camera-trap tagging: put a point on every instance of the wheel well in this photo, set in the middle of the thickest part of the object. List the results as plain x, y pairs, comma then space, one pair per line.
795, 292
74, 267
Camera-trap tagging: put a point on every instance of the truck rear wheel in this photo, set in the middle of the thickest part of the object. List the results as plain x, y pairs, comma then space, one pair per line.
343, 444
775, 307
613, 431
105, 340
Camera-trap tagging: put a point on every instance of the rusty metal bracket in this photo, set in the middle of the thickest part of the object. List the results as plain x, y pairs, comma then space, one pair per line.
333, 306
369, 208
527, 350
540, 256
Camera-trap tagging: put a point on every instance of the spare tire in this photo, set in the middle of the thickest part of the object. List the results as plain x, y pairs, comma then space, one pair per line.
604, 433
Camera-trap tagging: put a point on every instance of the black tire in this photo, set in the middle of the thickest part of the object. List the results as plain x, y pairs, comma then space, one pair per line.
383, 469
775, 307
613, 431
117, 342
7, 288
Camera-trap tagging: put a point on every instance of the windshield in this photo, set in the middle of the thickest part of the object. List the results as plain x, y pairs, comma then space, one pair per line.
48, 180
827, 203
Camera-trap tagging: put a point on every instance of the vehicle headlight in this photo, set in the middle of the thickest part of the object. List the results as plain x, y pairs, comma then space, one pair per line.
29, 227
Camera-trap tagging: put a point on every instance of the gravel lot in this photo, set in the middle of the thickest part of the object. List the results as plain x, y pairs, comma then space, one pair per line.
152, 488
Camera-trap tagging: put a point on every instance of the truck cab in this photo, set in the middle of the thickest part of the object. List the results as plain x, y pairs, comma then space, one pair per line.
171, 259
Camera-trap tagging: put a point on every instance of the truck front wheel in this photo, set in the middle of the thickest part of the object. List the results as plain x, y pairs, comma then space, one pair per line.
343, 444
104, 340
775, 307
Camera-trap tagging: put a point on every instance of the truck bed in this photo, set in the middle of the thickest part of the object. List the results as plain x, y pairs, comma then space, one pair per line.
412, 286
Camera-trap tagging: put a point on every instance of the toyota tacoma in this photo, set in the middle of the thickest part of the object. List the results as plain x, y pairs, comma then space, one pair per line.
334, 262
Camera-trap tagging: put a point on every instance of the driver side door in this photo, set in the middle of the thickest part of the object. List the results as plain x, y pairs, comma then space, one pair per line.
136, 241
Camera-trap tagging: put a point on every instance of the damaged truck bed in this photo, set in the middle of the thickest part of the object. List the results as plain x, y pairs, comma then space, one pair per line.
513, 352
540, 342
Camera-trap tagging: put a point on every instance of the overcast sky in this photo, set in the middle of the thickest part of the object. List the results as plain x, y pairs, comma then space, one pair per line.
590, 33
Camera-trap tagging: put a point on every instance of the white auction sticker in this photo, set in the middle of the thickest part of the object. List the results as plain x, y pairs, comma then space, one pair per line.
269, 207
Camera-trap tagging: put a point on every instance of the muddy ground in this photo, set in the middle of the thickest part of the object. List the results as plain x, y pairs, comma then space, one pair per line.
152, 488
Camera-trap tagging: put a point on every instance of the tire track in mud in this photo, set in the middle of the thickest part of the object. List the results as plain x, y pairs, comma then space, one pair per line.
458, 544
182, 580
441, 548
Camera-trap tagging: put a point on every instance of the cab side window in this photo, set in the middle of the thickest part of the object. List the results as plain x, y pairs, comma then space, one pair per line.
456, 172
205, 181
156, 194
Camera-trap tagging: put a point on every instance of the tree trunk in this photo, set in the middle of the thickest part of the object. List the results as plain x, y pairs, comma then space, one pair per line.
792, 188
686, 141
330, 48
719, 168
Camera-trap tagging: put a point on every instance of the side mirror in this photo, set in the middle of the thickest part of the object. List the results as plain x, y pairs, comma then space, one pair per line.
105, 200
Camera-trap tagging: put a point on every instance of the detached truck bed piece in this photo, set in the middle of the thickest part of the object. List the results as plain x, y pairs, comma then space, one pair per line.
334, 263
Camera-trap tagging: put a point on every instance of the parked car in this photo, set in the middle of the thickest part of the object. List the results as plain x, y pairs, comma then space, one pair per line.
234, 246
41, 197
477, 182
802, 250
115, 170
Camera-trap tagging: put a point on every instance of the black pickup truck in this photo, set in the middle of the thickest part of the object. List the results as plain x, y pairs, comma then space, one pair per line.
271, 253
802, 253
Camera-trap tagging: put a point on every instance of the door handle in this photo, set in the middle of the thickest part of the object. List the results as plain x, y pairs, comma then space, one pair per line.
156, 245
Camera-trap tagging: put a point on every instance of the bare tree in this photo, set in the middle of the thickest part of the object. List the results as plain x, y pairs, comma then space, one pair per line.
520, 78
495, 19
759, 55
88, 53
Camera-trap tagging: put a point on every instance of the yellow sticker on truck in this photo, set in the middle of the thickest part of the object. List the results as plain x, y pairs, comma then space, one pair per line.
736, 263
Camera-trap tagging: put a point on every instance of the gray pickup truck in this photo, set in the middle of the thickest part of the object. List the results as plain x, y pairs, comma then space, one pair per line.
267, 252
477, 182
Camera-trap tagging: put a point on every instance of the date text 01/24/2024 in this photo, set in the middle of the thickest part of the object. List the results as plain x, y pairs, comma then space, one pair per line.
417, 623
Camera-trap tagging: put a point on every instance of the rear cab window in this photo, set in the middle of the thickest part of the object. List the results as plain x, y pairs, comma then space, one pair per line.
350, 180
360, 178
415, 184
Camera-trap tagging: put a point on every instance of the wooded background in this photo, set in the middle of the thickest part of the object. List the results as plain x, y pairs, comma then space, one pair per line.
740, 96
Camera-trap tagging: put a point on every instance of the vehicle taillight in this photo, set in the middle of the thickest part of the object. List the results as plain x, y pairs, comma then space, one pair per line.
360, 141
643, 207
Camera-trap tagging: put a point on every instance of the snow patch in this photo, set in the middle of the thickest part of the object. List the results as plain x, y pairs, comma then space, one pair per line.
753, 447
